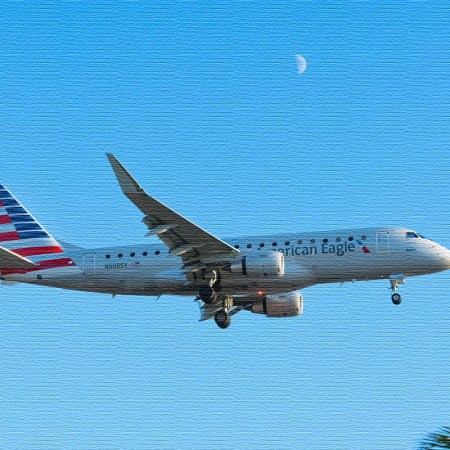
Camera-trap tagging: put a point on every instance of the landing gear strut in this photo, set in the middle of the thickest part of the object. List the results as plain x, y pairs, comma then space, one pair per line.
208, 292
396, 280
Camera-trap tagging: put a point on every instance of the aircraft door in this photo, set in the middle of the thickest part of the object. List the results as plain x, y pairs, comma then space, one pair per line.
89, 264
383, 242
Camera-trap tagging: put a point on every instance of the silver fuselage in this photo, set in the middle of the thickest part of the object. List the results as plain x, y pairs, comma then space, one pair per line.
310, 258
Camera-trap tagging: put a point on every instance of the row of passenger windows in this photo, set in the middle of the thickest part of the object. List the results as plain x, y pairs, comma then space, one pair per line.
261, 245
301, 242
132, 254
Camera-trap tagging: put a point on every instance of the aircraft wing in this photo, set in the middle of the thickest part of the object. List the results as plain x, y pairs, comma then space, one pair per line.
196, 246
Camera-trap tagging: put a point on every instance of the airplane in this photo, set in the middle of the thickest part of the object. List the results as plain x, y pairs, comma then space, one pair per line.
261, 274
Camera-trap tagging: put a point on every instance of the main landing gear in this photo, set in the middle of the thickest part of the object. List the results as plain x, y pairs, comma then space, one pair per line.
222, 318
396, 281
207, 294
221, 310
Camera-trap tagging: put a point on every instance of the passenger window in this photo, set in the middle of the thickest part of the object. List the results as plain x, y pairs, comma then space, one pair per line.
108, 256
338, 239
249, 245
262, 244
120, 255
350, 238
274, 244
287, 243
132, 254
300, 242
325, 241
363, 238
157, 252
312, 241
144, 253
236, 246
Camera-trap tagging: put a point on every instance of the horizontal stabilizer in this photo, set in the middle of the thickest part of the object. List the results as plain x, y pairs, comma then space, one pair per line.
9, 260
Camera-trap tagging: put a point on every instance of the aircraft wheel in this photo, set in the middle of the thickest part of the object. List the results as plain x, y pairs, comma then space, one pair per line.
222, 319
207, 294
396, 299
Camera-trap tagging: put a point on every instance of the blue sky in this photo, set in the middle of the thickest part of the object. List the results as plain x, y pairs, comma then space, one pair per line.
203, 103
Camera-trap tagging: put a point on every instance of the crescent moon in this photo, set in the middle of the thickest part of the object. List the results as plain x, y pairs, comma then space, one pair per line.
301, 63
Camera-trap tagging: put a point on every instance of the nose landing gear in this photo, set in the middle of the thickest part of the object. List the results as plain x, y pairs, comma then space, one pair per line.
396, 281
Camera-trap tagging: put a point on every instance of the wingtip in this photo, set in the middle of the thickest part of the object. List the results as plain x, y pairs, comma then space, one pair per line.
125, 179
111, 157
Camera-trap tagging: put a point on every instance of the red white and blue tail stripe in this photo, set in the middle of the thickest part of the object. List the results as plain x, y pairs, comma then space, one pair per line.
23, 235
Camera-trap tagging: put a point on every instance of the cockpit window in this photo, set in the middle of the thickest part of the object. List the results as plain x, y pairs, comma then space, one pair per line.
412, 235
423, 237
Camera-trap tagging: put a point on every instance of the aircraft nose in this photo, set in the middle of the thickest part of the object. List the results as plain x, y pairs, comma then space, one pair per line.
444, 258
436, 258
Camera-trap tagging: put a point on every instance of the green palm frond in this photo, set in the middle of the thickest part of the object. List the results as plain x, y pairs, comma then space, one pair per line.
437, 440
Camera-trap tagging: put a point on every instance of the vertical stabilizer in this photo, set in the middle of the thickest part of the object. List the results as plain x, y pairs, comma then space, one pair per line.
22, 234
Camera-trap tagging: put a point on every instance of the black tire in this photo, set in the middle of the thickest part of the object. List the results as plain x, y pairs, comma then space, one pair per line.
396, 299
207, 294
222, 319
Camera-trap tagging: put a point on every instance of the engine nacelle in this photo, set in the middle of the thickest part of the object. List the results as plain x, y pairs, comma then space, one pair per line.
261, 264
280, 305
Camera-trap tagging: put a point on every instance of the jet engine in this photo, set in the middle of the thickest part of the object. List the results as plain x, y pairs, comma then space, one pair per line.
261, 264
280, 305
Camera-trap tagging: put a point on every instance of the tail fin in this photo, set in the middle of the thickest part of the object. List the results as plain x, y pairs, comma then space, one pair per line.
23, 235
20, 232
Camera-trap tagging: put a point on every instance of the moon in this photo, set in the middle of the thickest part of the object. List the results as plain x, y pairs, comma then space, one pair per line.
301, 63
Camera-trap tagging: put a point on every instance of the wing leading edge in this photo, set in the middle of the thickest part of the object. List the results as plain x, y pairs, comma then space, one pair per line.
193, 244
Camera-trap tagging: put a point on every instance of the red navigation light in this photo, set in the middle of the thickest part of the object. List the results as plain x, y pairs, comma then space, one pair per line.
260, 292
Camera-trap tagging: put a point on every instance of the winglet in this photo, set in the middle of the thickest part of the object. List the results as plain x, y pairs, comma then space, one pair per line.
128, 184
